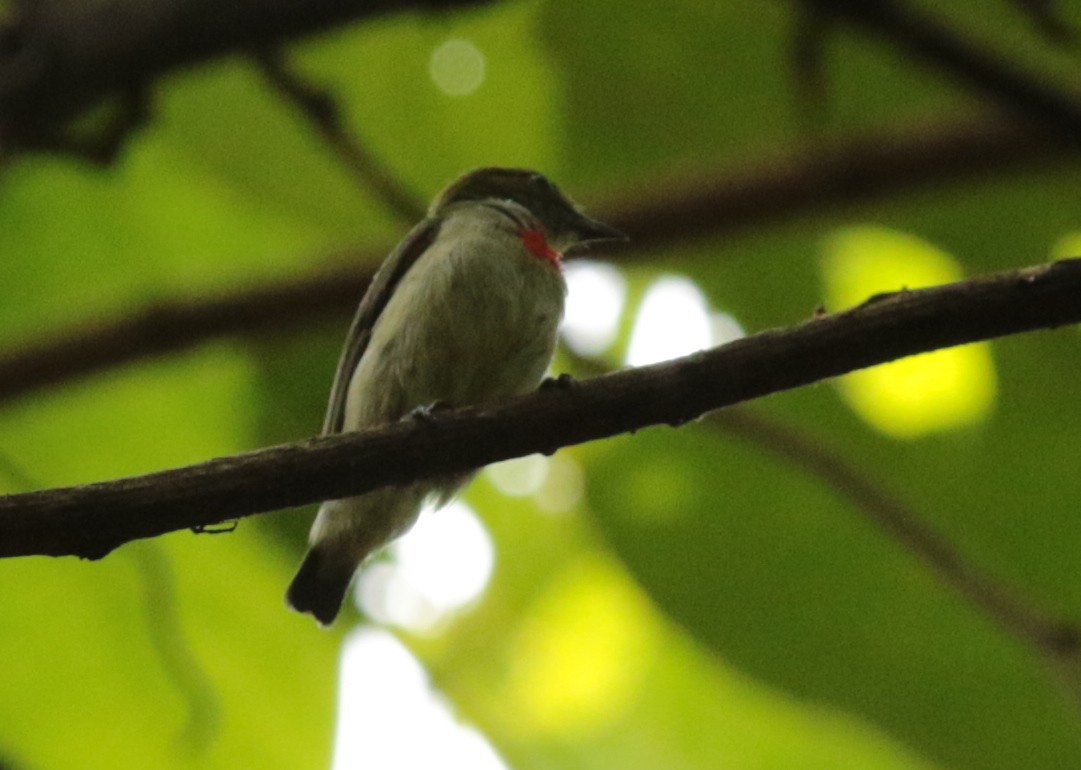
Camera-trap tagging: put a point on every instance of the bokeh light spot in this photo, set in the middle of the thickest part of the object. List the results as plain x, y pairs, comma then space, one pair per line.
519, 477
673, 320
385, 702
595, 295
457, 67
1067, 246
921, 394
440, 566
563, 488
582, 652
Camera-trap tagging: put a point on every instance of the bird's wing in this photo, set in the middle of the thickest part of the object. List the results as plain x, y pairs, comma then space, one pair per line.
375, 299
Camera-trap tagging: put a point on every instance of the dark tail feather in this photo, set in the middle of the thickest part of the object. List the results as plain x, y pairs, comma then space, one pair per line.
320, 585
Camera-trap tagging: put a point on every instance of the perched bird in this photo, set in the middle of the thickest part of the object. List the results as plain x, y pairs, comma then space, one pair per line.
463, 311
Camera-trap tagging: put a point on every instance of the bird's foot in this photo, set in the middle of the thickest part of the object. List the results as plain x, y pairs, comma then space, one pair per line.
215, 529
427, 412
561, 382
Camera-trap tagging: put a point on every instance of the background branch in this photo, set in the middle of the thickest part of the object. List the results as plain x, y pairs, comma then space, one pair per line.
975, 65
60, 57
166, 327
91, 520
324, 114
822, 176
1047, 20
813, 610
775, 187
1053, 638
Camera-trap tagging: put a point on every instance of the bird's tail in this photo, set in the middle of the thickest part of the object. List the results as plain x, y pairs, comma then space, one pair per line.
320, 584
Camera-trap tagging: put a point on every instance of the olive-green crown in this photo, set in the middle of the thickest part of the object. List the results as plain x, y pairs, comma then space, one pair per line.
530, 190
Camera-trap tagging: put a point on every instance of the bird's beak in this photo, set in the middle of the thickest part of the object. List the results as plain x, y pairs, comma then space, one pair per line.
590, 231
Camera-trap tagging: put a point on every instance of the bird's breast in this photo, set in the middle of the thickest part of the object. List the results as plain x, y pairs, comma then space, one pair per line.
475, 319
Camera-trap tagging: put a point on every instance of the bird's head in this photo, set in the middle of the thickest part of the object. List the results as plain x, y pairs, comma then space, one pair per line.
565, 226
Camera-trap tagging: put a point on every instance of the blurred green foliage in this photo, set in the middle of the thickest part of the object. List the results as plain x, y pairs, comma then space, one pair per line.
704, 605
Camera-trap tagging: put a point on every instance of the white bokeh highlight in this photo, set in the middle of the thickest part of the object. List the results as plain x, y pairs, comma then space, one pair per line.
457, 67
390, 718
724, 328
673, 320
564, 486
520, 477
596, 292
440, 566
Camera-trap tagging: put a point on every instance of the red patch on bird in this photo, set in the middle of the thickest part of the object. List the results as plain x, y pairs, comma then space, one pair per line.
537, 244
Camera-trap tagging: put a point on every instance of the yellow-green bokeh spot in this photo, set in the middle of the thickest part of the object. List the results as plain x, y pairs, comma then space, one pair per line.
1067, 247
582, 653
918, 395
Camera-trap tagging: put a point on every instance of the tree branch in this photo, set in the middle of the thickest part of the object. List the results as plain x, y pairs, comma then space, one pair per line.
324, 115
91, 520
166, 327
821, 176
1046, 19
60, 57
1052, 637
973, 64
775, 187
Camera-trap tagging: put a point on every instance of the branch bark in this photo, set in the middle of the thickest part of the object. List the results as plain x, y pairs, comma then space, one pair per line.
91, 520
975, 65
814, 179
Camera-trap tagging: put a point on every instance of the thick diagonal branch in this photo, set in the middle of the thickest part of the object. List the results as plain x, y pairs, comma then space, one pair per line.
91, 520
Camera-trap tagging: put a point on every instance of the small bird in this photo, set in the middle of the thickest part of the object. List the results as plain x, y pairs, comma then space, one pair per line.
464, 310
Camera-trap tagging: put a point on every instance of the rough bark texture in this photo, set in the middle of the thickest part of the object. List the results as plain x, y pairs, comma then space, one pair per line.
91, 520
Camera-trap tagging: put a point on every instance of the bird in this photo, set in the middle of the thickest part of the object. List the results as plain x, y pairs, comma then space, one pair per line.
465, 310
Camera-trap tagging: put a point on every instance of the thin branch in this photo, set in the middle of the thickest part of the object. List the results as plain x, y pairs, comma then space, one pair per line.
178, 660
1052, 637
100, 144
16, 474
1047, 20
811, 26
324, 114
59, 58
92, 520
979, 66
815, 179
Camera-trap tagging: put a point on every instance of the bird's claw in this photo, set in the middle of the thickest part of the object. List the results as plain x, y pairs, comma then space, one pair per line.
426, 412
215, 529
561, 382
